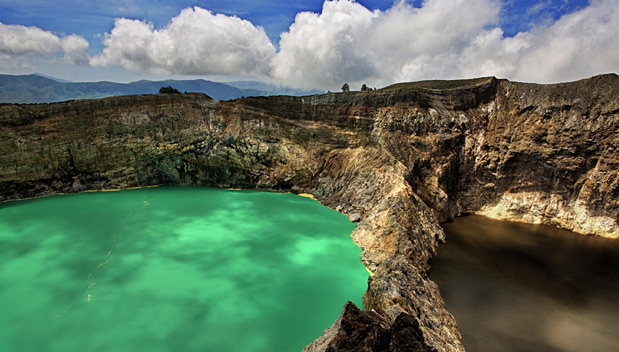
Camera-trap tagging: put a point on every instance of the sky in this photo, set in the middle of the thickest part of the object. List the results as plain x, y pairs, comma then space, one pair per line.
311, 44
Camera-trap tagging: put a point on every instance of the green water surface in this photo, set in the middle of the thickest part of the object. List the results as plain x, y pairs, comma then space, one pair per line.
173, 269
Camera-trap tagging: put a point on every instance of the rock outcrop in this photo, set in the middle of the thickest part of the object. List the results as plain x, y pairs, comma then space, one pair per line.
397, 161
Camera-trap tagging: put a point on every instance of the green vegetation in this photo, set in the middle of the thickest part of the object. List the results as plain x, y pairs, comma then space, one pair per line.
168, 90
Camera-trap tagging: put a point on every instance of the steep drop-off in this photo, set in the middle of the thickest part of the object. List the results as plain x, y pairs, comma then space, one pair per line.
397, 161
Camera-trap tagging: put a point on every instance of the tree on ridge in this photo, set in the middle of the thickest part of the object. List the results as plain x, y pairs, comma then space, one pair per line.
168, 90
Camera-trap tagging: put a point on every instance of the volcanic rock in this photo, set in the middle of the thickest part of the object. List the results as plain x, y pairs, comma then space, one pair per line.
397, 161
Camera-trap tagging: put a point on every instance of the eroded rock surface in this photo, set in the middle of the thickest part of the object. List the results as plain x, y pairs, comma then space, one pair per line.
397, 161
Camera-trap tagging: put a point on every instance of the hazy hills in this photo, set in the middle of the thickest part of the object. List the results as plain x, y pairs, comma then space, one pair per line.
37, 88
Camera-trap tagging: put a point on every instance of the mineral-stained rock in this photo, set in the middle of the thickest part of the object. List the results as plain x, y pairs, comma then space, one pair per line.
397, 161
357, 330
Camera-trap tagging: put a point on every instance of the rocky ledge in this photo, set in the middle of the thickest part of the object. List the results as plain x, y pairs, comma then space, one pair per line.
397, 161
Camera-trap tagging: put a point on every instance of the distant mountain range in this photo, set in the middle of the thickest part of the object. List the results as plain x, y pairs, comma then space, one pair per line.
38, 88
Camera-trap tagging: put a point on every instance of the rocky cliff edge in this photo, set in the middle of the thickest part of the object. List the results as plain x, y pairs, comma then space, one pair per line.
397, 161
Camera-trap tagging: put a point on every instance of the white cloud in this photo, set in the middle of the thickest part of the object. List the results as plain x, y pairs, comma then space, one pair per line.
580, 44
347, 42
18, 41
75, 49
443, 39
194, 42
327, 48
427, 42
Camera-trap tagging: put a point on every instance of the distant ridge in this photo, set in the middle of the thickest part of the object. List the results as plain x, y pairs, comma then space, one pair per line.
441, 84
271, 88
53, 78
38, 88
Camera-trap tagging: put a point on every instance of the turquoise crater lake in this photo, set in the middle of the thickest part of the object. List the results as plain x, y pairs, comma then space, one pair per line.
173, 269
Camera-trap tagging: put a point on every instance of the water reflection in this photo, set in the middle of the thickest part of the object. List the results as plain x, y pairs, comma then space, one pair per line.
518, 287
173, 269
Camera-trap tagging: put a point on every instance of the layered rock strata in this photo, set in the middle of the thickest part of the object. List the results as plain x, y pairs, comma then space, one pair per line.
397, 161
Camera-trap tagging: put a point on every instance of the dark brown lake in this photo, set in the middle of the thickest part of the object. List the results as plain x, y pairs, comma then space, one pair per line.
518, 287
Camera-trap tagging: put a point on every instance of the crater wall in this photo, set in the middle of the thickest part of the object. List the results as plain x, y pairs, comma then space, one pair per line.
397, 161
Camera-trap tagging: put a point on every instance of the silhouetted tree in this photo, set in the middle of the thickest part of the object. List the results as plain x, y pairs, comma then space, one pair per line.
364, 87
168, 90
345, 88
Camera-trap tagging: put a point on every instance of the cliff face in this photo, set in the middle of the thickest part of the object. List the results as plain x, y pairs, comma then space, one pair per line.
396, 161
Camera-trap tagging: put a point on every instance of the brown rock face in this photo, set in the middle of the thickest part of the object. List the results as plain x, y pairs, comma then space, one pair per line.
397, 161
356, 331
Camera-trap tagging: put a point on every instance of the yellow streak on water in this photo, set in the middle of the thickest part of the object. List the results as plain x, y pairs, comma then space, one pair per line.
88, 294
311, 196
86, 191
88, 291
122, 189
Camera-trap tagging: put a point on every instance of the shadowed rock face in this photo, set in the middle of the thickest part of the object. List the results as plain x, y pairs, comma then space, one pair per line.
397, 161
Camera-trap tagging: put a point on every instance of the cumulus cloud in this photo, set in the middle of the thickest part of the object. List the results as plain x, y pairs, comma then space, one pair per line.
347, 42
75, 49
442, 39
194, 42
17, 41
327, 48
578, 45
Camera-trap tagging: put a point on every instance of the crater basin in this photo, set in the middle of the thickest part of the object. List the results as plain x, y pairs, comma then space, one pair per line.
173, 269
520, 287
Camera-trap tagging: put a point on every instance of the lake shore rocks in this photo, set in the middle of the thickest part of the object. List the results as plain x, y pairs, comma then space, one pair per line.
398, 161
